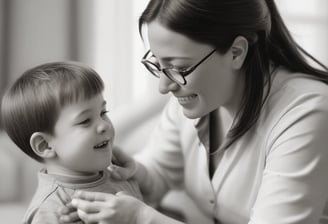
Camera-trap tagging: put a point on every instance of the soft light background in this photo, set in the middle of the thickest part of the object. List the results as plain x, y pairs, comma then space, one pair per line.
103, 34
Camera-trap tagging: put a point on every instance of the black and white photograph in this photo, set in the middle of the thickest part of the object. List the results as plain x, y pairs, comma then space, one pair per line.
164, 111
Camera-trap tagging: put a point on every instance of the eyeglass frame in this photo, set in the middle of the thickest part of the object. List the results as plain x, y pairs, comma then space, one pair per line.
165, 71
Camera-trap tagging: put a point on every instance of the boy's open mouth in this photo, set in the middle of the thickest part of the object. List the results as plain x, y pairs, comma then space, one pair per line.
101, 145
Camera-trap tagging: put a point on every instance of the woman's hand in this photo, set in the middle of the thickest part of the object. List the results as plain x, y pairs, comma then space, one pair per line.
124, 167
102, 208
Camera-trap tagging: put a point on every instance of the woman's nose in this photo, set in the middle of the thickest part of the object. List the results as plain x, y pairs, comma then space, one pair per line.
166, 85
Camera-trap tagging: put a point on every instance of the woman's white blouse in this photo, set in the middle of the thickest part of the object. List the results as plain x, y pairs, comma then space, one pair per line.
277, 173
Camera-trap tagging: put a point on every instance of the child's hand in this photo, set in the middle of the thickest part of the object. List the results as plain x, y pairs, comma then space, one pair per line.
67, 213
102, 208
124, 167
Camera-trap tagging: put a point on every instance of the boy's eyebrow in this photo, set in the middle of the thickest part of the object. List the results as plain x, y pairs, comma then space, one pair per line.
83, 112
87, 110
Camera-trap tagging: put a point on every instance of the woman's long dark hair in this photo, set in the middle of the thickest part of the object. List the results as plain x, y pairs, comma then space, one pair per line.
218, 23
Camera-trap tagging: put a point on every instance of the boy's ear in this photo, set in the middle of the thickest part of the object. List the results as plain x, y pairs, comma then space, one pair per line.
239, 49
39, 144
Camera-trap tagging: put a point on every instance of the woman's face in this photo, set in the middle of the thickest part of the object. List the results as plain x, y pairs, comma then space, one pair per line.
214, 83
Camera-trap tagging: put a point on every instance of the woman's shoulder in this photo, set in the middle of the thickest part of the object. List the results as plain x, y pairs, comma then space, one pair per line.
297, 103
285, 81
292, 94
289, 88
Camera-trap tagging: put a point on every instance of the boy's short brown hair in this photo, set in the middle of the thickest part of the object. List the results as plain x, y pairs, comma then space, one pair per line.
33, 102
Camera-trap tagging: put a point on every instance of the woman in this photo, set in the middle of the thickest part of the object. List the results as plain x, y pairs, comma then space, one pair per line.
245, 131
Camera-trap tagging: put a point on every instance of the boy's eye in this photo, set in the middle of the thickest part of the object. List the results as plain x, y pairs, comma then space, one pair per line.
86, 121
104, 113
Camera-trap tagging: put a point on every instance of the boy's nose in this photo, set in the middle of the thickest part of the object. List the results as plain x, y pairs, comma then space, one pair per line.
101, 128
166, 85
104, 127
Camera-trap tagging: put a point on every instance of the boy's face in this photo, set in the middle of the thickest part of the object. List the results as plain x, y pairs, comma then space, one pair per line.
83, 138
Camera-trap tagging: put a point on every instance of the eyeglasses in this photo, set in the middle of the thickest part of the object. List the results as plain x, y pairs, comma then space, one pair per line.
172, 73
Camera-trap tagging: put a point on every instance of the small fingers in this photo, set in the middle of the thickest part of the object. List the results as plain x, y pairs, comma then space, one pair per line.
87, 206
70, 218
91, 196
90, 217
63, 210
120, 193
67, 213
63, 195
68, 208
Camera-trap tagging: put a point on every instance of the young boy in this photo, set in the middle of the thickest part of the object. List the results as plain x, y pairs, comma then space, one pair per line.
56, 114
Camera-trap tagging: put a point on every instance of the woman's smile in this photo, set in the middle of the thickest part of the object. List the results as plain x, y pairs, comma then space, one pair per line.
186, 99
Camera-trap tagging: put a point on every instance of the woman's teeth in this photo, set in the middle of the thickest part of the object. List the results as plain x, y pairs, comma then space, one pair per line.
185, 99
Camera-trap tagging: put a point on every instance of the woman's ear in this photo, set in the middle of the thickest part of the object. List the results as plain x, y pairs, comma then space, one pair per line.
239, 49
39, 144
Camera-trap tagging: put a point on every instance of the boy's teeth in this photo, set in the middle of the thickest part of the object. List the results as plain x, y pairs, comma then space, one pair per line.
101, 144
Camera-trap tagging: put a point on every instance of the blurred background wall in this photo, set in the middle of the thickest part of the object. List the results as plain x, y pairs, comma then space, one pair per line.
103, 34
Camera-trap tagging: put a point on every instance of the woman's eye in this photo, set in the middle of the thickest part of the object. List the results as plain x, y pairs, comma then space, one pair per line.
180, 68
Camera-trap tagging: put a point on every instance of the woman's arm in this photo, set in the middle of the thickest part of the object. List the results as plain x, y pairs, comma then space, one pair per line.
125, 167
160, 165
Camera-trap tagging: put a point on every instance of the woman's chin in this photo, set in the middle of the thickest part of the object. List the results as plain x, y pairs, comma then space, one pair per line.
191, 114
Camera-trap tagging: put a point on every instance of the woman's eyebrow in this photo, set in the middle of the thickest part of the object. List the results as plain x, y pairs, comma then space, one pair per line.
171, 58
